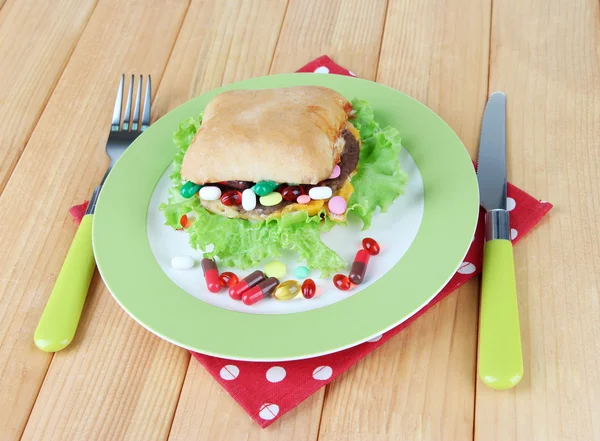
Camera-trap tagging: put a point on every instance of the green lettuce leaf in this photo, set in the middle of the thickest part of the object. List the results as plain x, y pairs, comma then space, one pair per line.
242, 244
182, 139
379, 179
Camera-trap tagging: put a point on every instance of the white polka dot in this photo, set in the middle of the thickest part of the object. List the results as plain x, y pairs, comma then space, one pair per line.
322, 69
466, 268
513, 234
268, 411
374, 339
510, 204
322, 373
351, 73
543, 201
229, 372
275, 374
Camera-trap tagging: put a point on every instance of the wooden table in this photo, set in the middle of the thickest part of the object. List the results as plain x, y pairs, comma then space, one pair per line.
59, 63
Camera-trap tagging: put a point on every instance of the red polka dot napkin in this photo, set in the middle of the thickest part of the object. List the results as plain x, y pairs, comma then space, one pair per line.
268, 390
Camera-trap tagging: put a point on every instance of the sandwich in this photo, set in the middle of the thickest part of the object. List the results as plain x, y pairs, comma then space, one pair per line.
261, 172
295, 141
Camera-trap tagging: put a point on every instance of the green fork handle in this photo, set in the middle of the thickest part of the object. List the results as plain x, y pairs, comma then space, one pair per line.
60, 318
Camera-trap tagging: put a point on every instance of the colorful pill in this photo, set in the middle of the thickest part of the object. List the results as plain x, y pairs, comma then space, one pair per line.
275, 269
271, 199
287, 290
337, 205
291, 193
186, 221
309, 289
263, 188
336, 172
252, 279
342, 282
371, 246
303, 199
231, 198
183, 220
359, 267
211, 275
248, 200
189, 189
260, 291
320, 193
210, 193
301, 272
228, 279
182, 262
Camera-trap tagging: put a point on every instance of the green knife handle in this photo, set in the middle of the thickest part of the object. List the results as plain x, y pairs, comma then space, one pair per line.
500, 358
60, 318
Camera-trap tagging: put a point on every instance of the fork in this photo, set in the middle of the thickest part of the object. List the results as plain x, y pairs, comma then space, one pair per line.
58, 323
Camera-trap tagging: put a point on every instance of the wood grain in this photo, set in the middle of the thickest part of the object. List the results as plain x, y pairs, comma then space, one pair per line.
348, 31
545, 57
206, 412
116, 381
220, 43
63, 160
32, 62
420, 385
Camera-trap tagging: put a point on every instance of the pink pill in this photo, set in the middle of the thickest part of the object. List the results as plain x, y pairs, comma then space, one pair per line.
336, 172
303, 199
337, 205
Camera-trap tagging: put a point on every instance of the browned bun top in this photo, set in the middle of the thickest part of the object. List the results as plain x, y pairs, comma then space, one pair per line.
288, 134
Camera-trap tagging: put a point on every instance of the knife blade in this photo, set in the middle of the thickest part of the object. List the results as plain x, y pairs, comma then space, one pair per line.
500, 361
491, 162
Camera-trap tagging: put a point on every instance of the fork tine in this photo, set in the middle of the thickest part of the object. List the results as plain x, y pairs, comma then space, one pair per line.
127, 117
116, 119
147, 102
138, 102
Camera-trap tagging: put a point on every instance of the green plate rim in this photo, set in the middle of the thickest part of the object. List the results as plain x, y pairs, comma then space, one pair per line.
143, 290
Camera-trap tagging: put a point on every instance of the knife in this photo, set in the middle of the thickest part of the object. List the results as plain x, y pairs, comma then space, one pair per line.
500, 357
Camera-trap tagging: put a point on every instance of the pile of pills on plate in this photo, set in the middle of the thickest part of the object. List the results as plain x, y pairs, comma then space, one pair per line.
370, 247
266, 193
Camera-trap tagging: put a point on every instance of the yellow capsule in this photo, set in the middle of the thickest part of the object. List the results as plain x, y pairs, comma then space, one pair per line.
275, 269
271, 199
287, 290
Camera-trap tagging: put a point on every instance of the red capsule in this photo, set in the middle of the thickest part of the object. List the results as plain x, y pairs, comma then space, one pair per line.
291, 193
211, 275
342, 282
309, 289
371, 246
252, 279
260, 291
359, 267
231, 197
228, 279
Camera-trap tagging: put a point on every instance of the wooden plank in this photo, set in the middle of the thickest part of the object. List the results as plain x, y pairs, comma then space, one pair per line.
222, 418
206, 412
220, 43
63, 160
545, 57
36, 40
420, 385
346, 30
